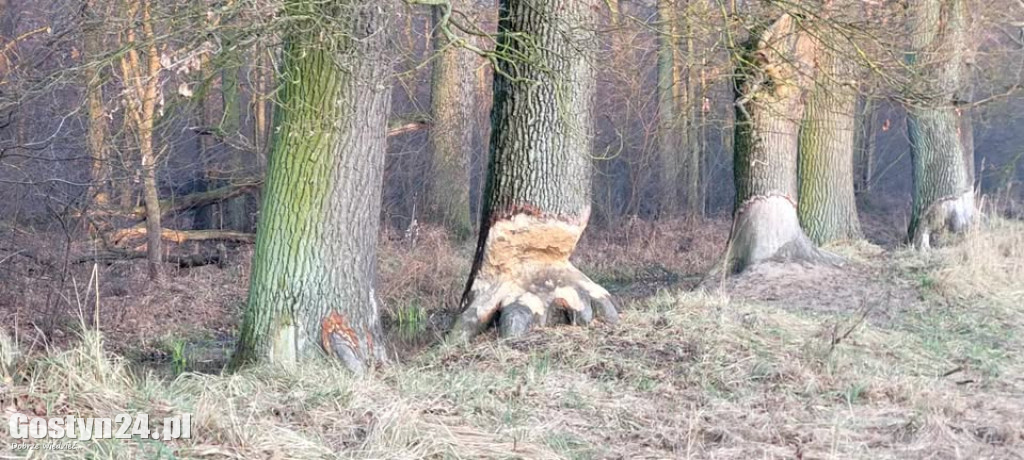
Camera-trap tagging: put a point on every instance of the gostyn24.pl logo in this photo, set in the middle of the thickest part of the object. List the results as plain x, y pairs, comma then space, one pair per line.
121, 426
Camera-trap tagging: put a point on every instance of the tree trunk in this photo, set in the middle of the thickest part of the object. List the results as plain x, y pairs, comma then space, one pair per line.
769, 107
99, 193
451, 135
943, 194
865, 142
691, 107
141, 76
537, 197
671, 132
314, 264
236, 214
828, 207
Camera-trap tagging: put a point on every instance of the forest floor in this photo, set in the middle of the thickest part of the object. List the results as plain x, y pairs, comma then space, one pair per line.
894, 354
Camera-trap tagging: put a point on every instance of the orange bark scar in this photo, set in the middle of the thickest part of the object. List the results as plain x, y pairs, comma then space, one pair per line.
335, 324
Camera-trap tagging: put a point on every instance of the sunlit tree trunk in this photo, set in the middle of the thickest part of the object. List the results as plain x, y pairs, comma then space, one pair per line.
828, 208
537, 197
769, 107
141, 73
943, 194
450, 138
313, 269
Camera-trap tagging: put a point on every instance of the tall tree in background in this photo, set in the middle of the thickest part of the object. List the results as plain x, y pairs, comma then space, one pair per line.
315, 261
537, 197
828, 207
235, 210
141, 72
92, 32
671, 130
943, 178
769, 107
452, 102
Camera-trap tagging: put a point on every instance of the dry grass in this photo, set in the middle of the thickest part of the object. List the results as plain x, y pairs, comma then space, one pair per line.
777, 368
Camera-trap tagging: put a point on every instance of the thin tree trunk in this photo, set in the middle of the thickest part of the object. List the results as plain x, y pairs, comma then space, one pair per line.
99, 193
235, 210
769, 107
451, 136
828, 207
537, 197
865, 153
671, 132
314, 265
141, 74
943, 194
691, 107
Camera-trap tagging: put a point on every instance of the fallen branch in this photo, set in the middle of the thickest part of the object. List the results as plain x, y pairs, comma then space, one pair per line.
217, 256
195, 200
181, 236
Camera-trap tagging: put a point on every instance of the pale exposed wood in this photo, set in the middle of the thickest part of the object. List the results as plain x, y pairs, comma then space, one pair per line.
180, 236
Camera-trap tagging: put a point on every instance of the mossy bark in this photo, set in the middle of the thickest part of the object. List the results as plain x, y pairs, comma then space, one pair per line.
769, 107
827, 205
943, 198
313, 270
451, 135
537, 196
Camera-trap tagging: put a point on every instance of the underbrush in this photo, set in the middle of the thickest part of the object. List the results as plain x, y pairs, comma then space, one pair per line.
933, 370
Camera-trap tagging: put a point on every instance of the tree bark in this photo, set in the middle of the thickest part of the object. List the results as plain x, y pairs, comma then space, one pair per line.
865, 142
671, 132
537, 196
99, 193
451, 135
943, 192
828, 207
693, 122
141, 75
314, 264
769, 107
235, 210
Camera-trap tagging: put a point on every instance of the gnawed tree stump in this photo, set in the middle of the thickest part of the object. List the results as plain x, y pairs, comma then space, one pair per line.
537, 197
769, 107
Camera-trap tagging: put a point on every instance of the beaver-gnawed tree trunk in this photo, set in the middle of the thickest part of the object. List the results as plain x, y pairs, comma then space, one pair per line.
769, 107
453, 104
828, 207
943, 190
313, 269
537, 196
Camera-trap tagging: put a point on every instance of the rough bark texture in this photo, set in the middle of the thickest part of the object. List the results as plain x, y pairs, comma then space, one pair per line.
537, 196
828, 207
943, 193
451, 134
769, 107
314, 264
